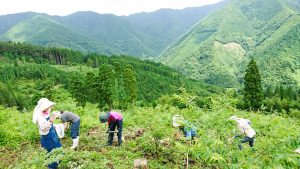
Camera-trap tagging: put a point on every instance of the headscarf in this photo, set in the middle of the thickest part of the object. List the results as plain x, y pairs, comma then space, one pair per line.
42, 105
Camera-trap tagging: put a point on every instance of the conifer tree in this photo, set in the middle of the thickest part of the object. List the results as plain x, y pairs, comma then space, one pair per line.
78, 90
268, 92
91, 87
120, 92
282, 92
130, 84
107, 84
252, 87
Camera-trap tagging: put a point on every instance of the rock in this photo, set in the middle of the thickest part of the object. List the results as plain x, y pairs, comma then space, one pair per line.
140, 163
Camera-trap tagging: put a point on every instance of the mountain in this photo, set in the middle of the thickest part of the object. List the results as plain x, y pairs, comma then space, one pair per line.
140, 35
8, 21
218, 49
111, 30
167, 25
42, 30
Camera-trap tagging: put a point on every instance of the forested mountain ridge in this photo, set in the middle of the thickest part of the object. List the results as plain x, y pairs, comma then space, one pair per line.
218, 48
40, 29
138, 35
56, 66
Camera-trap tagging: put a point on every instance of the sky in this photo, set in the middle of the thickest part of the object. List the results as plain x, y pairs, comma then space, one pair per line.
117, 7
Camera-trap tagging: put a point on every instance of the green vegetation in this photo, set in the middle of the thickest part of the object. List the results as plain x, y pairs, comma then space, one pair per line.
219, 47
149, 133
148, 94
76, 72
142, 35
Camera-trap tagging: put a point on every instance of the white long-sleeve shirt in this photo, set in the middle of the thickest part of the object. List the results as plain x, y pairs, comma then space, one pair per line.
245, 128
43, 125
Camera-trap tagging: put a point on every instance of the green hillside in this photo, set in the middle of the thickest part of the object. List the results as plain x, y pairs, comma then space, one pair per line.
168, 24
43, 30
111, 30
30, 72
218, 48
8, 21
25, 61
143, 35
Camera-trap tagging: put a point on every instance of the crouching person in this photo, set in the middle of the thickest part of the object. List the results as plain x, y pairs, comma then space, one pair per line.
189, 130
74, 119
114, 119
245, 129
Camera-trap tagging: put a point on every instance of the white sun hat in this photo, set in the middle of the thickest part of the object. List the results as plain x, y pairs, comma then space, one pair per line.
42, 105
234, 118
177, 120
60, 130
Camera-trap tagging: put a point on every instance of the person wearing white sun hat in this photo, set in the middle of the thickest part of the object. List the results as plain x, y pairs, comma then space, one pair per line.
41, 117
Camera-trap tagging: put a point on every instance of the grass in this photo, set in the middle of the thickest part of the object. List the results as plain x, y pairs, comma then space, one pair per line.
149, 133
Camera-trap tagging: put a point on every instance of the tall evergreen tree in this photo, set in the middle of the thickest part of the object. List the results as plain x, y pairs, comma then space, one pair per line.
252, 87
107, 84
78, 90
130, 84
268, 92
282, 92
91, 87
120, 93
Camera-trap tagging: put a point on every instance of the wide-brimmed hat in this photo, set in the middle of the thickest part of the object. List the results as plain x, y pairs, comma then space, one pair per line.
42, 105
178, 120
233, 118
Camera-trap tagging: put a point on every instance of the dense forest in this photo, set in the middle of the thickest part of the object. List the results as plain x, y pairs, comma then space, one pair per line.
48, 67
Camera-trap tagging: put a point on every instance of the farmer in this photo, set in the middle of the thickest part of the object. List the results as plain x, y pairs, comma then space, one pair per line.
245, 129
188, 129
74, 119
41, 117
114, 119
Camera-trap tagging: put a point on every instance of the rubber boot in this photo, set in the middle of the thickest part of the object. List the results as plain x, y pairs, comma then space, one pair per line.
75, 142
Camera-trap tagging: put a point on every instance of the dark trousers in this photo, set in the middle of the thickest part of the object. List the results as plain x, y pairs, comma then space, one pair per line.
75, 129
112, 128
246, 139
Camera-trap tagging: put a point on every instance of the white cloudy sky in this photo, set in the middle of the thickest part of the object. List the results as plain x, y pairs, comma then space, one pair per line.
117, 7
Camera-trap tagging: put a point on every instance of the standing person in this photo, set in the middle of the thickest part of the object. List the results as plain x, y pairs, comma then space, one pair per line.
41, 117
74, 119
246, 130
114, 119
